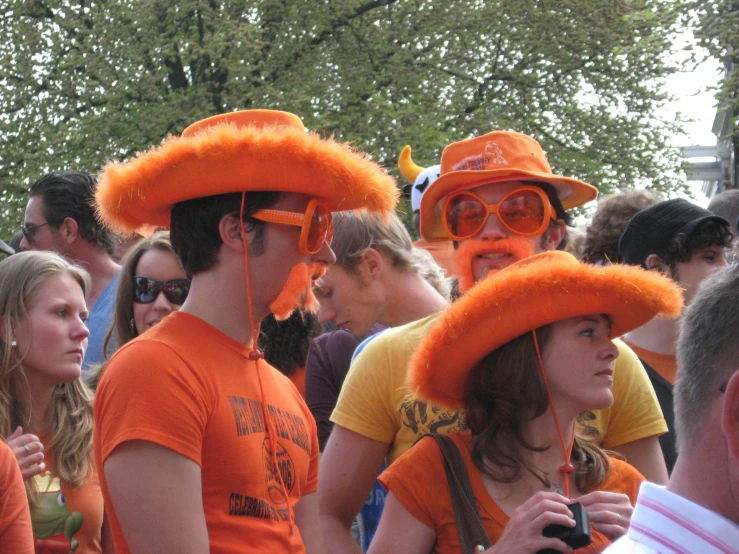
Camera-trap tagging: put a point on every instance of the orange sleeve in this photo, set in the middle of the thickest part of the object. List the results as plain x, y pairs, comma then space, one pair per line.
16, 534
130, 403
418, 479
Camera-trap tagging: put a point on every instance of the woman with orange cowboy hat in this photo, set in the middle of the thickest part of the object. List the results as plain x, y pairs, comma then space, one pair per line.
524, 352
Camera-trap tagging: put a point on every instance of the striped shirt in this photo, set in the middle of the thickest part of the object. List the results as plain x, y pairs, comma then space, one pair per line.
665, 523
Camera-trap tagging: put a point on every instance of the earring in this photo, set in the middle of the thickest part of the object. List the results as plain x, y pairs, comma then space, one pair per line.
132, 325
13, 343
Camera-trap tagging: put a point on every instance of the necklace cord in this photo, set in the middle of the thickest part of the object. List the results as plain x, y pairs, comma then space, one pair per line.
257, 356
567, 467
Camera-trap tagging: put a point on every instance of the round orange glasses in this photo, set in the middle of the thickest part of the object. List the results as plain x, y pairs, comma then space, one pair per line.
316, 224
525, 211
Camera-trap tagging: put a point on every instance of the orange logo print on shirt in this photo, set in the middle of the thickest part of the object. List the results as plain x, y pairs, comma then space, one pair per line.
54, 525
284, 466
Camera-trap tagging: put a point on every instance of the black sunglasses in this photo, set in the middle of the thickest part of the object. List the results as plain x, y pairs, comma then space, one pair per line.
29, 231
146, 290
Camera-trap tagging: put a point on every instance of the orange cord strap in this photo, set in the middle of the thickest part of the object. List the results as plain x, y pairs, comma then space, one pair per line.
256, 355
567, 467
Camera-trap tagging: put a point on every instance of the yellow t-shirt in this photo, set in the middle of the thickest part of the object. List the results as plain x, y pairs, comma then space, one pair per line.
376, 403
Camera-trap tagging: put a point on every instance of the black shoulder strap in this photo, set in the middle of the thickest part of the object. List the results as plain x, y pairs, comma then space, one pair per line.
469, 525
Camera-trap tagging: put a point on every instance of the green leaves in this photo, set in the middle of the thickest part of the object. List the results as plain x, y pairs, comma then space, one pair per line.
84, 82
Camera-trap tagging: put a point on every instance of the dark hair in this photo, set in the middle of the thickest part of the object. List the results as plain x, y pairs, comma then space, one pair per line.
72, 194
285, 343
194, 229
504, 387
682, 247
609, 222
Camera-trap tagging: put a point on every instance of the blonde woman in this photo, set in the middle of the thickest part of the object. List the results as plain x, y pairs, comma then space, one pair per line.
43, 338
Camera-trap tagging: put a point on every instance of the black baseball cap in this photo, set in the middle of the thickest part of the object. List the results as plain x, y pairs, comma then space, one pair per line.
653, 228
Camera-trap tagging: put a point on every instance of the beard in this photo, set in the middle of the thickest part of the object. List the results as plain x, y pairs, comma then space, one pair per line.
468, 250
298, 291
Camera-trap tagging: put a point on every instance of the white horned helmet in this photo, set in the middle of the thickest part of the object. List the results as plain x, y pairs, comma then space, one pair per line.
421, 177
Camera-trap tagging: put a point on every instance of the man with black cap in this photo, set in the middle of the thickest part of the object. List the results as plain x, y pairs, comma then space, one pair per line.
687, 243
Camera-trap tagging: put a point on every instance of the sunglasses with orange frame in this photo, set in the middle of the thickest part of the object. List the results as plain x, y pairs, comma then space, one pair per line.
316, 224
525, 211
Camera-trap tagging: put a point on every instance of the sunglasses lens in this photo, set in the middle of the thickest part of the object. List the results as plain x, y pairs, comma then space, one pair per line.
320, 227
465, 215
145, 290
176, 291
522, 211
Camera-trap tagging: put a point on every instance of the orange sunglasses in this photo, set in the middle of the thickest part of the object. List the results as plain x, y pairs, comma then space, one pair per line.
525, 211
316, 224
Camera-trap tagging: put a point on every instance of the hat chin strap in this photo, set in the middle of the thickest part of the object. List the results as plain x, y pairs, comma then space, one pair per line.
566, 468
257, 356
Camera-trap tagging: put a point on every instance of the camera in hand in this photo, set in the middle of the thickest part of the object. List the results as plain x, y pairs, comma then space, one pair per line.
574, 537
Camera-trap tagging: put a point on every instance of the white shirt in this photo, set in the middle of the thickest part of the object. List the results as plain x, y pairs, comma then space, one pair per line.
666, 523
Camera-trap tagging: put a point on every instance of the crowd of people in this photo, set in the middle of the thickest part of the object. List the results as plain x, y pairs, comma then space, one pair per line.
231, 343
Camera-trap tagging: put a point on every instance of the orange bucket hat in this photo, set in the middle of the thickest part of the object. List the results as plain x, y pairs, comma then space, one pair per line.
251, 150
529, 294
495, 157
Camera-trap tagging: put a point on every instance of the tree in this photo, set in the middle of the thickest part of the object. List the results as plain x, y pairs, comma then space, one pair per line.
85, 81
718, 31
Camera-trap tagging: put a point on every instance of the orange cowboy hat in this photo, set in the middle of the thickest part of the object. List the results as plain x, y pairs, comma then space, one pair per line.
251, 150
529, 294
492, 158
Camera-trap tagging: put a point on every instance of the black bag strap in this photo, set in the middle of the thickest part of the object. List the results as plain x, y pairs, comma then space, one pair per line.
469, 525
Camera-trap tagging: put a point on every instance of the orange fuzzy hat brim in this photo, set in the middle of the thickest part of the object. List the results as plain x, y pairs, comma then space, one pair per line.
229, 158
527, 295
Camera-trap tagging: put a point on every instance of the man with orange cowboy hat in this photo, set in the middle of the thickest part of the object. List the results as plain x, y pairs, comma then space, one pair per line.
499, 201
200, 445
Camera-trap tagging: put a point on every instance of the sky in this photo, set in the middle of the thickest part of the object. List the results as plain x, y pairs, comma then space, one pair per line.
695, 99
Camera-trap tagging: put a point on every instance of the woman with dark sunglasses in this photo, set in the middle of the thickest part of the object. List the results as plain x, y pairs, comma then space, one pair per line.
152, 285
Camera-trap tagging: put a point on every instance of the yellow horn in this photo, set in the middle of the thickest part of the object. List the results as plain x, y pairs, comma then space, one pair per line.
407, 167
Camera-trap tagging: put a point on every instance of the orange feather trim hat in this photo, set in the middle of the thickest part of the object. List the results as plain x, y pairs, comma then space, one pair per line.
529, 294
251, 150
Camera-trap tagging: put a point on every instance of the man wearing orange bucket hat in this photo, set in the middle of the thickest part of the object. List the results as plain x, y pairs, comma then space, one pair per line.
499, 201
201, 446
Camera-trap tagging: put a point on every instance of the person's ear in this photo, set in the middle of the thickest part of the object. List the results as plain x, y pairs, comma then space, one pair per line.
730, 416
69, 230
373, 263
229, 227
653, 261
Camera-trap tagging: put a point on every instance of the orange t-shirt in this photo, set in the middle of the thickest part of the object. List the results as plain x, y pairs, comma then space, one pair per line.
298, 379
15, 520
664, 364
196, 392
66, 515
418, 479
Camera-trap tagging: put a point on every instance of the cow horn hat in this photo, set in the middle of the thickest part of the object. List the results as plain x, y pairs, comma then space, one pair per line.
529, 294
496, 157
251, 150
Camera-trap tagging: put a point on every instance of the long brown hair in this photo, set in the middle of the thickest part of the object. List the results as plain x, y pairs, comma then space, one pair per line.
22, 277
123, 330
505, 387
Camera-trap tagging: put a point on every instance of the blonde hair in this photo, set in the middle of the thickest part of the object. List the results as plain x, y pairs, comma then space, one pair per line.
355, 232
22, 278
